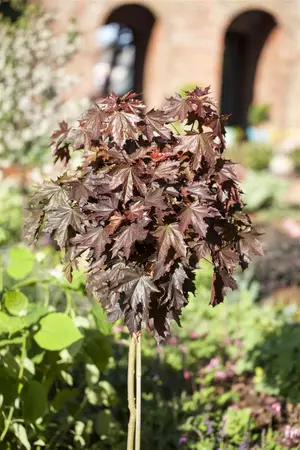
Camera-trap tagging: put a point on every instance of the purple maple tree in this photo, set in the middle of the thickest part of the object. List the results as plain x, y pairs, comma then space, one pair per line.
146, 205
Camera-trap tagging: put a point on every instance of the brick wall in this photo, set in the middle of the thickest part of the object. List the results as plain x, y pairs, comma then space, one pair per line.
187, 45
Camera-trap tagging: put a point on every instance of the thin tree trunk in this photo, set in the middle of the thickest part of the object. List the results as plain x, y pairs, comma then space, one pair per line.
138, 391
130, 393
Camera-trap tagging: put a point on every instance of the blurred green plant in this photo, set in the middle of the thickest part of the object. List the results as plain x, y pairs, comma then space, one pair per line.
11, 203
263, 190
295, 155
258, 114
52, 394
33, 81
252, 155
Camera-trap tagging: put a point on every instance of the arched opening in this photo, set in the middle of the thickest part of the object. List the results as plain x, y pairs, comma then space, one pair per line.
123, 41
244, 40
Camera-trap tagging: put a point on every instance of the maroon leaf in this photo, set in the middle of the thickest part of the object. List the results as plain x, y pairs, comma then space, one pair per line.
228, 172
170, 236
250, 244
60, 135
177, 107
202, 249
104, 209
127, 177
221, 281
166, 170
33, 223
122, 126
200, 145
94, 238
228, 258
59, 219
155, 125
199, 189
52, 193
93, 120
175, 297
127, 237
155, 198
79, 192
195, 215
136, 286
114, 223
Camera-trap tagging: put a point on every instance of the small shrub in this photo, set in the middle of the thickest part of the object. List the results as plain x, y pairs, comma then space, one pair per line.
145, 205
253, 155
258, 114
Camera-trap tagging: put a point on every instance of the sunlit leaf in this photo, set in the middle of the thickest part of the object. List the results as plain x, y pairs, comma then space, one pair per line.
57, 331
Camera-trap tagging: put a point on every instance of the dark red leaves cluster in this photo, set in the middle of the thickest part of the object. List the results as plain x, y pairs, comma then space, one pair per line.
146, 205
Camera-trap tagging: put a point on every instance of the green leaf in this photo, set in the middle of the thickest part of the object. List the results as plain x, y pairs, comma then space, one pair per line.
92, 374
100, 317
16, 303
9, 388
63, 397
21, 262
21, 434
1, 272
102, 423
34, 396
96, 349
57, 332
12, 324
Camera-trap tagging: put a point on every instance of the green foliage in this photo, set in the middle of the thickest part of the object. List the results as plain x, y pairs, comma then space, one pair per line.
52, 394
277, 358
295, 155
10, 213
252, 155
238, 423
258, 114
263, 190
57, 331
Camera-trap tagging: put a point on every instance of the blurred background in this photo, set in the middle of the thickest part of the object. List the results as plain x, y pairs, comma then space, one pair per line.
230, 378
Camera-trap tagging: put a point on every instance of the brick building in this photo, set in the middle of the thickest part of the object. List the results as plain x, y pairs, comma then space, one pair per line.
247, 50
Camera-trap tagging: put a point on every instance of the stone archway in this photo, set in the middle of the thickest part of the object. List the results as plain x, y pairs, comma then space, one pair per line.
244, 40
126, 56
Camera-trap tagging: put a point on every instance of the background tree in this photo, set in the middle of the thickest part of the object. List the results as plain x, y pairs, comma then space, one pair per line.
32, 81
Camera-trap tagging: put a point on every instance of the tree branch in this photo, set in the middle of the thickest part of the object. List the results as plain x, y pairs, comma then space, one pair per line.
130, 393
138, 391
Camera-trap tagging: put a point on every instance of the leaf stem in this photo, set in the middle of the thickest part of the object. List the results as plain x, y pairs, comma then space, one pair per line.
68, 302
138, 391
20, 386
7, 423
130, 393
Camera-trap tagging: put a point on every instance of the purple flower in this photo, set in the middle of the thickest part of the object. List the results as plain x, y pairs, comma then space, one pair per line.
244, 445
292, 433
276, 407
213, 363
210, 428
183, 439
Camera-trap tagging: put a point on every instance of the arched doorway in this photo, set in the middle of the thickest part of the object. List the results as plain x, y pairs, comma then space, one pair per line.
244, 41
124, 41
